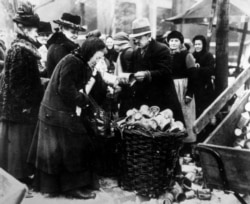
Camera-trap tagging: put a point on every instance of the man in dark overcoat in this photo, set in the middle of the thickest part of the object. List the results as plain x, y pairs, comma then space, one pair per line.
152, 70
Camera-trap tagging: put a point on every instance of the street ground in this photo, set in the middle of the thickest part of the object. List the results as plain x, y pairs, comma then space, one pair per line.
110, 193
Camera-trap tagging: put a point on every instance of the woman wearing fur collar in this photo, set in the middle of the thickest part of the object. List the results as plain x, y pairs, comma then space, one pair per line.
20, 95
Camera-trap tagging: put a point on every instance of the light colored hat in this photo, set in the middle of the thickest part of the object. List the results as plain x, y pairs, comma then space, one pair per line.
140, 27
121, 38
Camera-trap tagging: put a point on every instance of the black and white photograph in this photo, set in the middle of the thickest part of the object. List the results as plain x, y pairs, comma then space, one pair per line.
124, 101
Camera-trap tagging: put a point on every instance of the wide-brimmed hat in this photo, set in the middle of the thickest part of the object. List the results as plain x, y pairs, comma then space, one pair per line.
44, 28
140, 27
26, 16
71, 21
121, 38
175, 34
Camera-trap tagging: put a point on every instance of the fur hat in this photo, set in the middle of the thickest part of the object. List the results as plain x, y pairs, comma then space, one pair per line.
121, 38
44, 28
71, 21
140, 27
175, 34
26, 16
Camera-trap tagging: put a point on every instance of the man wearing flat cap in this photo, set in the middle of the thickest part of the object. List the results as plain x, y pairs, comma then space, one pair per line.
62, 42
151, 65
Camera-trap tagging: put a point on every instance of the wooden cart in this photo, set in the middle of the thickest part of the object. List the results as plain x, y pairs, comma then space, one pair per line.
225, 167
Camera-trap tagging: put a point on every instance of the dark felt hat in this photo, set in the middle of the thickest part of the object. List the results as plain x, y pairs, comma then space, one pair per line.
44, 28
71, 21
175, 34
26, 16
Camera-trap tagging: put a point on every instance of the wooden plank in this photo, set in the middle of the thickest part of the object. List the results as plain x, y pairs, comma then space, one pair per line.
220, 101
210, 23
240, 30
221, 49
243, 37
223, 133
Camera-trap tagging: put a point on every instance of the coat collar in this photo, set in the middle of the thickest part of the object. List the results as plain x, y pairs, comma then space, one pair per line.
59, 38
27, 45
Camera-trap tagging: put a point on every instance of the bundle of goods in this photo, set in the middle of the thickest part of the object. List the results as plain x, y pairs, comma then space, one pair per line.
242, 131
151, 140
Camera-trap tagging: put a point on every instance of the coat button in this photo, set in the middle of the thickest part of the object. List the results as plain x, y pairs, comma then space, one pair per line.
47, 116
72, 115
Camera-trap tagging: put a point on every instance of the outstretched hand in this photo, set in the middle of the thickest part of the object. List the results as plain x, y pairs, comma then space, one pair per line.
140, 76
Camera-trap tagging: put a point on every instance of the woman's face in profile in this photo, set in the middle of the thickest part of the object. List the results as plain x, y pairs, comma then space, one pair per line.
96, 57
31, 33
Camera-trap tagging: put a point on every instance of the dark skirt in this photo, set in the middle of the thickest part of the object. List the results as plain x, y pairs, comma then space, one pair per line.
64, 181
15, 141
63, 159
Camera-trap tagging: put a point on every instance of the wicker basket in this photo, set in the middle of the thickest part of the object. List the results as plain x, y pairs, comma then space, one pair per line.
148, 160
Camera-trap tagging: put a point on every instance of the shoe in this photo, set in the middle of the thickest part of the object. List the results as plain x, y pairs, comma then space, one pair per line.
78, 194
29, 194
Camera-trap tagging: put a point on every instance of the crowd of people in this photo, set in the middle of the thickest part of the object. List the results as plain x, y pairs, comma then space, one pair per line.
47, 78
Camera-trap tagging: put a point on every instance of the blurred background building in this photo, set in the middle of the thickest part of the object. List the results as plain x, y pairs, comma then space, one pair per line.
111, 16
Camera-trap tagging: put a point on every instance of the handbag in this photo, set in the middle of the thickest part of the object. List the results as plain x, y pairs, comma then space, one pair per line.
95, 118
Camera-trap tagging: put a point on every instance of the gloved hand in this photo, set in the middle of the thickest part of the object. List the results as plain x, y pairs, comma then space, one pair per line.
141, 75
197, 65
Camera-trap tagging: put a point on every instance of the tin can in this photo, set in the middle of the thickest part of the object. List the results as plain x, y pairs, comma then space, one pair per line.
178, 193
167, 198
190, 194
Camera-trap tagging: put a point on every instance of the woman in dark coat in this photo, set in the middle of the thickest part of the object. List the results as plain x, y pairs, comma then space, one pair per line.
20, 96
183, 66
62, 150
204, 91
62, 42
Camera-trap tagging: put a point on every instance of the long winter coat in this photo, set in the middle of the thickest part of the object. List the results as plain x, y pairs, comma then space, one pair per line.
204, 92
159, 90
62, 137
58, 47
21, 90
20, 96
